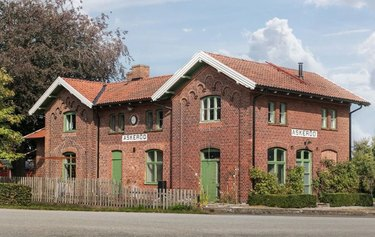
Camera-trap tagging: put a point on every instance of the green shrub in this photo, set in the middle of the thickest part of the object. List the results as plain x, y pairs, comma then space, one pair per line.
339, 178
294, 180
347, 199
14, 194
284, 201
265, 183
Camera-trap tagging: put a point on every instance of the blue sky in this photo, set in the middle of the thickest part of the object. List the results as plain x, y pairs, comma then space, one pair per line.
335, 38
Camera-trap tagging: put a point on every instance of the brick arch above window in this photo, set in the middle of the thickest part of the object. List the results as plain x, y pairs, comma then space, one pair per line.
278, 144
329, 155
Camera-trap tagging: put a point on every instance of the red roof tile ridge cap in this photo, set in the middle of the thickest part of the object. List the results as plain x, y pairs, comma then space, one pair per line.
235, 58
80, 79
286, 72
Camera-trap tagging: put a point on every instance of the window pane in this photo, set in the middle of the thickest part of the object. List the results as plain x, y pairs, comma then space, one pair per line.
159, 156
280, 173
211, 108
271, 112
121, 122
324, 118
159, 171
333, 119
150, 173
149, 120
282, 113
306, 179
212, 102
271, 168
271, 154
159, 119
280, 155
306, 167
299, 155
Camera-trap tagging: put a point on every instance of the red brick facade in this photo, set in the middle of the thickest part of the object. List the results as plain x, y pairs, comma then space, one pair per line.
184, 135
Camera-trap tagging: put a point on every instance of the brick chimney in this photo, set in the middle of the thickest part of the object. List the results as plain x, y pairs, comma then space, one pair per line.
138, 72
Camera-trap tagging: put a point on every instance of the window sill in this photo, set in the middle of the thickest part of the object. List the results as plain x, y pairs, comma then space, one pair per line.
72, 131
278, 124
150, 183
210, 121
153, 130
329, 129
114, 133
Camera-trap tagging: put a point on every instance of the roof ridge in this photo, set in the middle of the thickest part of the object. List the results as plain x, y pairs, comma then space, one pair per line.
286, 72
81, 79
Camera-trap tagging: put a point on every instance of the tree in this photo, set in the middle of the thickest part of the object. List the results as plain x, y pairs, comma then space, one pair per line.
364, 160
9, 139
43, 39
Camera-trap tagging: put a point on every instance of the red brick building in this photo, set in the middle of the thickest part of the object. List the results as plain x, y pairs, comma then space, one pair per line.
202, 128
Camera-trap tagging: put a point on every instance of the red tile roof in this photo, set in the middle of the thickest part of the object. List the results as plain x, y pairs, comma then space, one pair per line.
271, 76
117, 92
89, 89
41, 133
131, 91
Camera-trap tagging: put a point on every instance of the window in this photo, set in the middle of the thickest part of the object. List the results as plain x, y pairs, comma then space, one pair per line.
69, 122
276, 163
112, 123
271, 112
121, 122
149, 120
159, 119
69, 169
154, 166
210, 154
211, 108
333, 118
324, 118
282, 116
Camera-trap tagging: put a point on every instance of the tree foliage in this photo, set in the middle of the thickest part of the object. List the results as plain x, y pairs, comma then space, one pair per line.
43, 39
9, 139
364, 161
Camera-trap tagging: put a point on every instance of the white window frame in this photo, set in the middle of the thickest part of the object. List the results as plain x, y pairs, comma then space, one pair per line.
209, 111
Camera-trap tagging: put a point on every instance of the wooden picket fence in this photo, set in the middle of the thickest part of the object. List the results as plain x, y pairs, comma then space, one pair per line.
102, 193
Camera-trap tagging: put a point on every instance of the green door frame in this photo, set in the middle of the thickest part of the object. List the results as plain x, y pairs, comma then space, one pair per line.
304, 159
117, 166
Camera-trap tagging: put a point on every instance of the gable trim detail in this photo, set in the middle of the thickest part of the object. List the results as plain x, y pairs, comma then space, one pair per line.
203, 57
59, 82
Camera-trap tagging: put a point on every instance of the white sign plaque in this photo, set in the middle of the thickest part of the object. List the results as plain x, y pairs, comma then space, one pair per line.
304, 133
134, 137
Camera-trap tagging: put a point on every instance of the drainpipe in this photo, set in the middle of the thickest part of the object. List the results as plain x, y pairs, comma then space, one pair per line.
350, 130
253, 130
97, 143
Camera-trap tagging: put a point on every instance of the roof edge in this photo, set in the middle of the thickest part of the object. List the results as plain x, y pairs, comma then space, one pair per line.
203, 57
59, 82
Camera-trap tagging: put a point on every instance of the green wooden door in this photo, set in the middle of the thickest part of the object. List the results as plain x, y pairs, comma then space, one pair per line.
304, 159
117, 166
210, 179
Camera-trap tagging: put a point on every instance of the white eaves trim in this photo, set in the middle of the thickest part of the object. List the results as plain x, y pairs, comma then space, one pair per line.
203, 57
59, 82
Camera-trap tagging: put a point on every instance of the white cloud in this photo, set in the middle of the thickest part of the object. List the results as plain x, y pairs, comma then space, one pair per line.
367, 49
350, 3
187, 30
277, 43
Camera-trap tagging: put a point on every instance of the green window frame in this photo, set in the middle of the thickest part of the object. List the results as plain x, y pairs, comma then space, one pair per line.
159, 119
112, 123
324, 118
69, 166
276, 163
304, 159
149, 120
271, 112
211, 108
70, 124
121, 122
282, 115
333, 122
154, 166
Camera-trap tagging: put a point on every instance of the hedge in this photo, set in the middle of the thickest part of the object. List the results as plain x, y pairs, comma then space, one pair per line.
14, 194
284, 201
347, 199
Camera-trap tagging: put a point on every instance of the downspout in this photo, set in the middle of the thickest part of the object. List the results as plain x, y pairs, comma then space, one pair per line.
97, 143
350, 130
253, 135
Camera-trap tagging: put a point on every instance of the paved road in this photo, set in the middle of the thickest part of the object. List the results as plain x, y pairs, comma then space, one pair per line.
60, 223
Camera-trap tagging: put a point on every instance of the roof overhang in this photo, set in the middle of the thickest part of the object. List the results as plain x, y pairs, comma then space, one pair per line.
191, 65
54, 87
